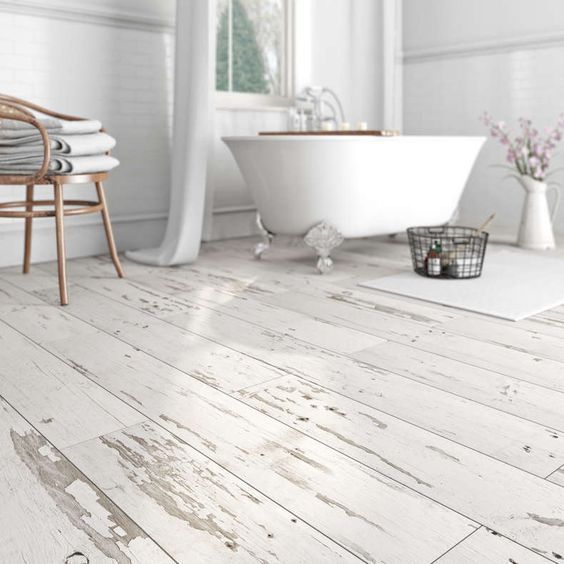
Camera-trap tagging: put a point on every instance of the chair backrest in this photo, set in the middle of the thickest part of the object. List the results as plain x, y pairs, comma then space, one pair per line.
12, 108
25, 104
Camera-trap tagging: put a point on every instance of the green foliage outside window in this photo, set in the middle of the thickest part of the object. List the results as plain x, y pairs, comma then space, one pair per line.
248, 70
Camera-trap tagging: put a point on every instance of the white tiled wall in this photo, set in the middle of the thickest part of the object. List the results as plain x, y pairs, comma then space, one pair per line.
118, 74
454, 70
234, 211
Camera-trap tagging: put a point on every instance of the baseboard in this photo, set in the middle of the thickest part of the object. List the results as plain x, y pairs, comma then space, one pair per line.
232, 222
84, 237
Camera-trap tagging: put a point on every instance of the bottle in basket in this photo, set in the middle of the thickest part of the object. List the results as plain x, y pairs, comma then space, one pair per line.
433, 259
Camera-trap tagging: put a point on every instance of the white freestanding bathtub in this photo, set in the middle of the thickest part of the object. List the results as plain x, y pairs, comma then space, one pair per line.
335, 186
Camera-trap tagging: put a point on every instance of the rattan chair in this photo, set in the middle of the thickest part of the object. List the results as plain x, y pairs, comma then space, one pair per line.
15, 109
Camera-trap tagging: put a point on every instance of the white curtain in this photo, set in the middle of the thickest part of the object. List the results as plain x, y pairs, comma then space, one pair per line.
194, 85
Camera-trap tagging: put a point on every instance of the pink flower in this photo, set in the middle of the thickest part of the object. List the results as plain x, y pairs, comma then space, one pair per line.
528, 152
534, 162
539, 174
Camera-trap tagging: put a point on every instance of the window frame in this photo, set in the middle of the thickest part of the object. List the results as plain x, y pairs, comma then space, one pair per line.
243, 100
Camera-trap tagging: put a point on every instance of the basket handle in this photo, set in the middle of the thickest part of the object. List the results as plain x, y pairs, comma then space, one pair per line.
436, 230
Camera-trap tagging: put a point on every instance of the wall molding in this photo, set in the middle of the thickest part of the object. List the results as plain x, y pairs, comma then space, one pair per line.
479, 48
78, 11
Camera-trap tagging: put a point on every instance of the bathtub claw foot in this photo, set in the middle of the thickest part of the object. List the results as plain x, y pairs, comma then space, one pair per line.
267, 237
323, 238
324, 265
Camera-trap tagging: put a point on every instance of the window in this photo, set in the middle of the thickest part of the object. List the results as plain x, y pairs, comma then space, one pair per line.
252, 52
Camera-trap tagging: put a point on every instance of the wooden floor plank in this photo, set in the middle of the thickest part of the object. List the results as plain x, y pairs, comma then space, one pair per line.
37, 279
524, 444
295, 471
217, 365
369, 321
532, 402
198, 511
512, 337
489, 547
12, 295
557, 477
59, 401
495, 357
50, 510
512, 502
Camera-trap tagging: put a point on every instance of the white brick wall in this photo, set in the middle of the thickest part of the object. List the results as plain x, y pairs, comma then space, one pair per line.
118, 74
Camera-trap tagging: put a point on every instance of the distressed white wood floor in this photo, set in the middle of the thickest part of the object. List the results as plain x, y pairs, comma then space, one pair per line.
244, 411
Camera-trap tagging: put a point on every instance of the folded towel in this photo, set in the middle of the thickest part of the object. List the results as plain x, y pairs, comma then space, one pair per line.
12, 129
49, 123
77, 145
9, 138
60, 165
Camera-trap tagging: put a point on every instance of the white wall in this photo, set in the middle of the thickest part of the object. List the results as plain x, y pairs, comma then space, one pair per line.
461, 58
233, 212
347, 55
111, 60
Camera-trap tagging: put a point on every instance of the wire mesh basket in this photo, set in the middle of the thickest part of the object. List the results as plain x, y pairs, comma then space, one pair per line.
447, 252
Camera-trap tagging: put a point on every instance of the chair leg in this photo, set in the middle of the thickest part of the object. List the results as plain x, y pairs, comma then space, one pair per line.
28, 226
61, 257
108, 229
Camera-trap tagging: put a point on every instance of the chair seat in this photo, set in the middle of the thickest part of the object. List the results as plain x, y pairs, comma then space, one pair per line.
59, 178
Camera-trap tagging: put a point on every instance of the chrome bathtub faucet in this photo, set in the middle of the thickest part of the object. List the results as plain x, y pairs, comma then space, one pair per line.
316, 100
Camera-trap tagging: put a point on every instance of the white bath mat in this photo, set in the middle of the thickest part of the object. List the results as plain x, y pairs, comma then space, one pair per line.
513, 285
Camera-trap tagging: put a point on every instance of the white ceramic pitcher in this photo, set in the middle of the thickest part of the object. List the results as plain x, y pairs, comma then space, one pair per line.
535, 230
